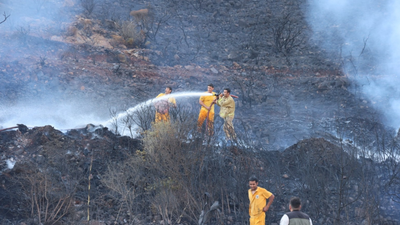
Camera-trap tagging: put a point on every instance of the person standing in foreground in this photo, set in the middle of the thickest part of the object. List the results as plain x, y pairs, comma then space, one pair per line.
258, 197
207, 110
295, 217
227, 112
162, 106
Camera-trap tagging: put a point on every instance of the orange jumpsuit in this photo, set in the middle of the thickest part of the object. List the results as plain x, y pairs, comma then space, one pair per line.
207, 100
162, 108
257, 203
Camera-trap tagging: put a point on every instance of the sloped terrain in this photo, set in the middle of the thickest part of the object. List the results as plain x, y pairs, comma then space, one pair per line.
304, 128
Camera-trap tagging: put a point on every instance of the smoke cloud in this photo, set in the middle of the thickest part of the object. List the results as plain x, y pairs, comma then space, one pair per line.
38, 15
28, 94
364, 36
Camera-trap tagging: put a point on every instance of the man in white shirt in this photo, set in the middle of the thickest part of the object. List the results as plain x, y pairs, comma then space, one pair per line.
295, 216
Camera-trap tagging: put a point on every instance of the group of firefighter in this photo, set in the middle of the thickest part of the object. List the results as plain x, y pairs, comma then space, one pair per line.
260, 198
207, 102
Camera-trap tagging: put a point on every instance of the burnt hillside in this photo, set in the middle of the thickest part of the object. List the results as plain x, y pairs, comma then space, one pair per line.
49, 176
315, 118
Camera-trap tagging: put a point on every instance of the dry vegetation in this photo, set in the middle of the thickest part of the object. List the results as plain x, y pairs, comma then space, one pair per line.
177, 178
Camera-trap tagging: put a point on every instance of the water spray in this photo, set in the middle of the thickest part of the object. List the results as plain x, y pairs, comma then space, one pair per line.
154, 100
140, 105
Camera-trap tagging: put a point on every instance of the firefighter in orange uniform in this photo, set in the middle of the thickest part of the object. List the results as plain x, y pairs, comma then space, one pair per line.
258, 197
162, 106
207, 110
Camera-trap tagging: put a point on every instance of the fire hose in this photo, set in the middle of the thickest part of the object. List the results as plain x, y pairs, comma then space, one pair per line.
208, 114
21, 127
9, 128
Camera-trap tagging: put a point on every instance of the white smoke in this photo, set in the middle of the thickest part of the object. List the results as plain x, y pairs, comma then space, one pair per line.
35, 15
10, 163
37, 98
61, 115
365, 33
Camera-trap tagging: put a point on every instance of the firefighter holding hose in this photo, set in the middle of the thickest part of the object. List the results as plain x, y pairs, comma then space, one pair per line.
207, 110
227, 112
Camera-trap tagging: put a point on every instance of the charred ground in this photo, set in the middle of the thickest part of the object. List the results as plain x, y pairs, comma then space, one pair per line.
304, 128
